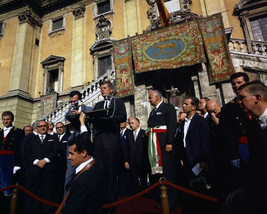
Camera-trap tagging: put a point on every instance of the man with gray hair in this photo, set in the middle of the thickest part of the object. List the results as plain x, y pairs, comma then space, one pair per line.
162, 125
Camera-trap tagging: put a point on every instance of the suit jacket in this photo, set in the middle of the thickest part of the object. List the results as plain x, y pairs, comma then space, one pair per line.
164, 115
116, 115
12, 143
233, 124
62, 147
137, 150
34, 149
86, 192
197, 141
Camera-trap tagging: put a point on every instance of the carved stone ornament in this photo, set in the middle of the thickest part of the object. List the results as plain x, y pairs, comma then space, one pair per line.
175, 17
27, 16
103, 28
79, 12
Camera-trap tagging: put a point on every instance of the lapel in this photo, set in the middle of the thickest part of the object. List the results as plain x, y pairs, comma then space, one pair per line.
192, 123
154, 112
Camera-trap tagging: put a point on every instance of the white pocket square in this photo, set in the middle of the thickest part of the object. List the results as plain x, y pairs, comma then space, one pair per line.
158, 113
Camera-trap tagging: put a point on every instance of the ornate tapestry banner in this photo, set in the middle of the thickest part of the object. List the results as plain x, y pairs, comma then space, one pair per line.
123, 68
168, 48
48, 104
219, 59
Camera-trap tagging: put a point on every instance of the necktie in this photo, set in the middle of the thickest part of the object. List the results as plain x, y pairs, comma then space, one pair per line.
135, 135
42, 139
121, 134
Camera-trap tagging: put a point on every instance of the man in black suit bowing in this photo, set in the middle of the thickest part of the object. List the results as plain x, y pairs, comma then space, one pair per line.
107, 137
40, 153
162, 125
136, 155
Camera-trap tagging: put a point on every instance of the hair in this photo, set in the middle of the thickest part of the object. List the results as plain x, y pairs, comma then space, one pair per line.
135, 118
194, 101
61, 123
109, 83
8, 113
26, 126
34, 124
82, 142
239, 74
255, 87
40, 121
157, 92
205, 98
73, 93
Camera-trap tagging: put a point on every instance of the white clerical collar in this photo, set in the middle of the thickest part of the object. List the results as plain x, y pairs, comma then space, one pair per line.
82, 165
263, 117
158, 105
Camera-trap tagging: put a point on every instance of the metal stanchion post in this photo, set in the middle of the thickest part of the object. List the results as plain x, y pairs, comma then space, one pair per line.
13, 204
165, 208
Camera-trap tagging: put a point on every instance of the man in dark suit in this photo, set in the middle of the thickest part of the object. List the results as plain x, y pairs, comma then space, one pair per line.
124, 175
107, 137
193, 149
76, 107
253, 97
40, 153
10, 140
61, 162
233, 143
202, 107
136, 155
86, 192
162, 123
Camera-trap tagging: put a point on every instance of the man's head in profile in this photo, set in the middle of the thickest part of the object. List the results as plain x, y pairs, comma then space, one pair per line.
80, 150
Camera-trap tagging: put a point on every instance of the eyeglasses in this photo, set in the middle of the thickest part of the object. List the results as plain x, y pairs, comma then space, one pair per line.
59, 127
42, 126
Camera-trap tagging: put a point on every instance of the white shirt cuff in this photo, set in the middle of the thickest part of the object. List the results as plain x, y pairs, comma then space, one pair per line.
15, 169
47, 160
83, 129
35, 162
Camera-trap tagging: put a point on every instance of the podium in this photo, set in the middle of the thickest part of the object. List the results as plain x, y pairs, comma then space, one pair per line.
99, 119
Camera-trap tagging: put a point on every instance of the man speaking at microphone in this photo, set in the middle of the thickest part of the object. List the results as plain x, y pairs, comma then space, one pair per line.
107, 138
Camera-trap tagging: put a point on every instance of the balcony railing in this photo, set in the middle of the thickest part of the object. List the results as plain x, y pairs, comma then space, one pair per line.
239, 46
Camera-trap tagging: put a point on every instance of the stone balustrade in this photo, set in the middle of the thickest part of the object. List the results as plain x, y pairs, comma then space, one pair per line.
239, 46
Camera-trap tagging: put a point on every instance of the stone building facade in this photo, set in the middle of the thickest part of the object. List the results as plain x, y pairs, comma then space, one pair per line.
57, 46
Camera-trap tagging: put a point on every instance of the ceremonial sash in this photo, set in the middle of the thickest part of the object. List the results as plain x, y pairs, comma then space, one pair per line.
154, 152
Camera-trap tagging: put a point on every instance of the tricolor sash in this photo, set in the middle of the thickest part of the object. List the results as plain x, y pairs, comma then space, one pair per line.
154, 152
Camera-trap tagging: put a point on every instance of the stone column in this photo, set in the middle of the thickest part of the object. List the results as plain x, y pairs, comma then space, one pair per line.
78, 67
22, 60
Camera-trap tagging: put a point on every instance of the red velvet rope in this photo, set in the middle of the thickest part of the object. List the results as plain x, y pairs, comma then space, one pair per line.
190, 192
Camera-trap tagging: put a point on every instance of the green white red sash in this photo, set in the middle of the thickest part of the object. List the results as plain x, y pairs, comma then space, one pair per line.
154, 152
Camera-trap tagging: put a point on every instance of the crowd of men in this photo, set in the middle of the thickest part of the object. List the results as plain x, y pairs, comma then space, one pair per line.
212, 149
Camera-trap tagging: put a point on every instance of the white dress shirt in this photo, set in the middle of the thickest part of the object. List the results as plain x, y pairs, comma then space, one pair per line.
82, 165
7, 130
186, 126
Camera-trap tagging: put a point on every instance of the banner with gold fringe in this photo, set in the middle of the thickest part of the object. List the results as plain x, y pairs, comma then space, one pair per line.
123, 68
219, 59
168, 48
